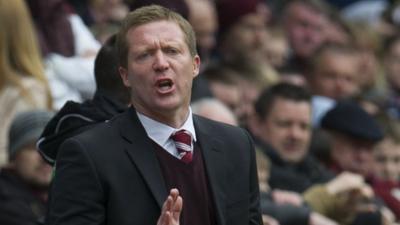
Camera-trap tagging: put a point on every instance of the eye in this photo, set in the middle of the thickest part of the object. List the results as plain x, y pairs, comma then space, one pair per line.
171, 51
143, 55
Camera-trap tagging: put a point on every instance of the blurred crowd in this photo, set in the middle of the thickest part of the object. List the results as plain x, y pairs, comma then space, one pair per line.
315, 82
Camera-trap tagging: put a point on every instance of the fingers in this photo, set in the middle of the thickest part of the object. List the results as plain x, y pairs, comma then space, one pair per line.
165, 215
171, 209
177, 208
174, 193
345, 182
176, 205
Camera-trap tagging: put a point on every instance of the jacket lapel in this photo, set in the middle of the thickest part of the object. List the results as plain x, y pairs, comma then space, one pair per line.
142, 153
214, 158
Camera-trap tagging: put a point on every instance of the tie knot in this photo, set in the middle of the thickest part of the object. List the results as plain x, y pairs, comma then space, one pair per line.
182, 136
183, 143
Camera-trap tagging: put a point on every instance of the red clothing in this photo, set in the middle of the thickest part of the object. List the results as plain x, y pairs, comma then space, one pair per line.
389, 191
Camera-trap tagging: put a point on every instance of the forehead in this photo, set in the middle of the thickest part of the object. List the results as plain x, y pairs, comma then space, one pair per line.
388, 146
155, 32
299, 10
282, 107
331, 59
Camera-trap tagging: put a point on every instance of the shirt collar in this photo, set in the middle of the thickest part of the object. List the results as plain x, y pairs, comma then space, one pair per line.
160, 132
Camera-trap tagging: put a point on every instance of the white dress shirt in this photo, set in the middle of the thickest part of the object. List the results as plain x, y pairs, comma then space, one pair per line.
161, 133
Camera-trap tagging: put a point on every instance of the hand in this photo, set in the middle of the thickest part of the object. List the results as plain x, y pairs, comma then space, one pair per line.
287, 197
318, 219
171, 209
267, 220
347, 182
388, 218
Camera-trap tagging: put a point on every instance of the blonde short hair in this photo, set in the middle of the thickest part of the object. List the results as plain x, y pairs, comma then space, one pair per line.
148, 14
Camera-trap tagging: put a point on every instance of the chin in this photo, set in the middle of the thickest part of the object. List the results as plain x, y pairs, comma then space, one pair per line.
170, 105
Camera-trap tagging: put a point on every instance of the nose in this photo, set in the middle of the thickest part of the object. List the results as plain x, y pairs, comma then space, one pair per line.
160, 62
260, 35
296, 132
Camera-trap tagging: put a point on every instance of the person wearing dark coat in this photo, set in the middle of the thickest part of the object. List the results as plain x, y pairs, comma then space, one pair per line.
25, 180
293, 177
282, 132
156, 163
110, 99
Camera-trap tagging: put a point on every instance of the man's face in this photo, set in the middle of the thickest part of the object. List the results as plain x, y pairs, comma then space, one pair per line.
160, 69
387, 157
245, 39
287, 129
30, 166
336, 76
305, 29
352, 154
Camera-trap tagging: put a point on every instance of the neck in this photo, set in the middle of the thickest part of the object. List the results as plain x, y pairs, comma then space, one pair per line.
173, 119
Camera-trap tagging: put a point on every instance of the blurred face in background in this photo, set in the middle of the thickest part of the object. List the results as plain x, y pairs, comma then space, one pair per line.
287, 128
305, 29
353, 155
336, 75
392, 65
31, 168
245, 38
387, 157
275, 50
203, 18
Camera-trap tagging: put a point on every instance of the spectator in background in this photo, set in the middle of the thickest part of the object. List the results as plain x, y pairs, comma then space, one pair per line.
335, 72
371, 76
25, 181
68, 48
353, 135
242, 31
103, 17
110, 99
23, 85
223, 85
283, 133
203, 18
333, 75
304, 23
107, 15
386, 180
275, 48
282, 129
251, 78
215, 110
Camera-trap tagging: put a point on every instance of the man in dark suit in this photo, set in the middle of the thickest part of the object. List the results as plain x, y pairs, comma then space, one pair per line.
156, 163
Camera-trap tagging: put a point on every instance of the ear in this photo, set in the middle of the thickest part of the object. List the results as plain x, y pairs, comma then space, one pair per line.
196, 65
123, 72
253, 124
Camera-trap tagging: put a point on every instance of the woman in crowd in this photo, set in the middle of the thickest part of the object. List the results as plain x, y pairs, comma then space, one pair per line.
23, 85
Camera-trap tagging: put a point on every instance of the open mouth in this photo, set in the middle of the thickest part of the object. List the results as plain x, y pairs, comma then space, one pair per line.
165, 85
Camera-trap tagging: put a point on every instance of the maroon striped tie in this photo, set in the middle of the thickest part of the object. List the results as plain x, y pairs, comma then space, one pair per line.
183, 143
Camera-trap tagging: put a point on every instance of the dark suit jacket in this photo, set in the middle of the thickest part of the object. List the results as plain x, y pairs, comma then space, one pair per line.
111, 175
